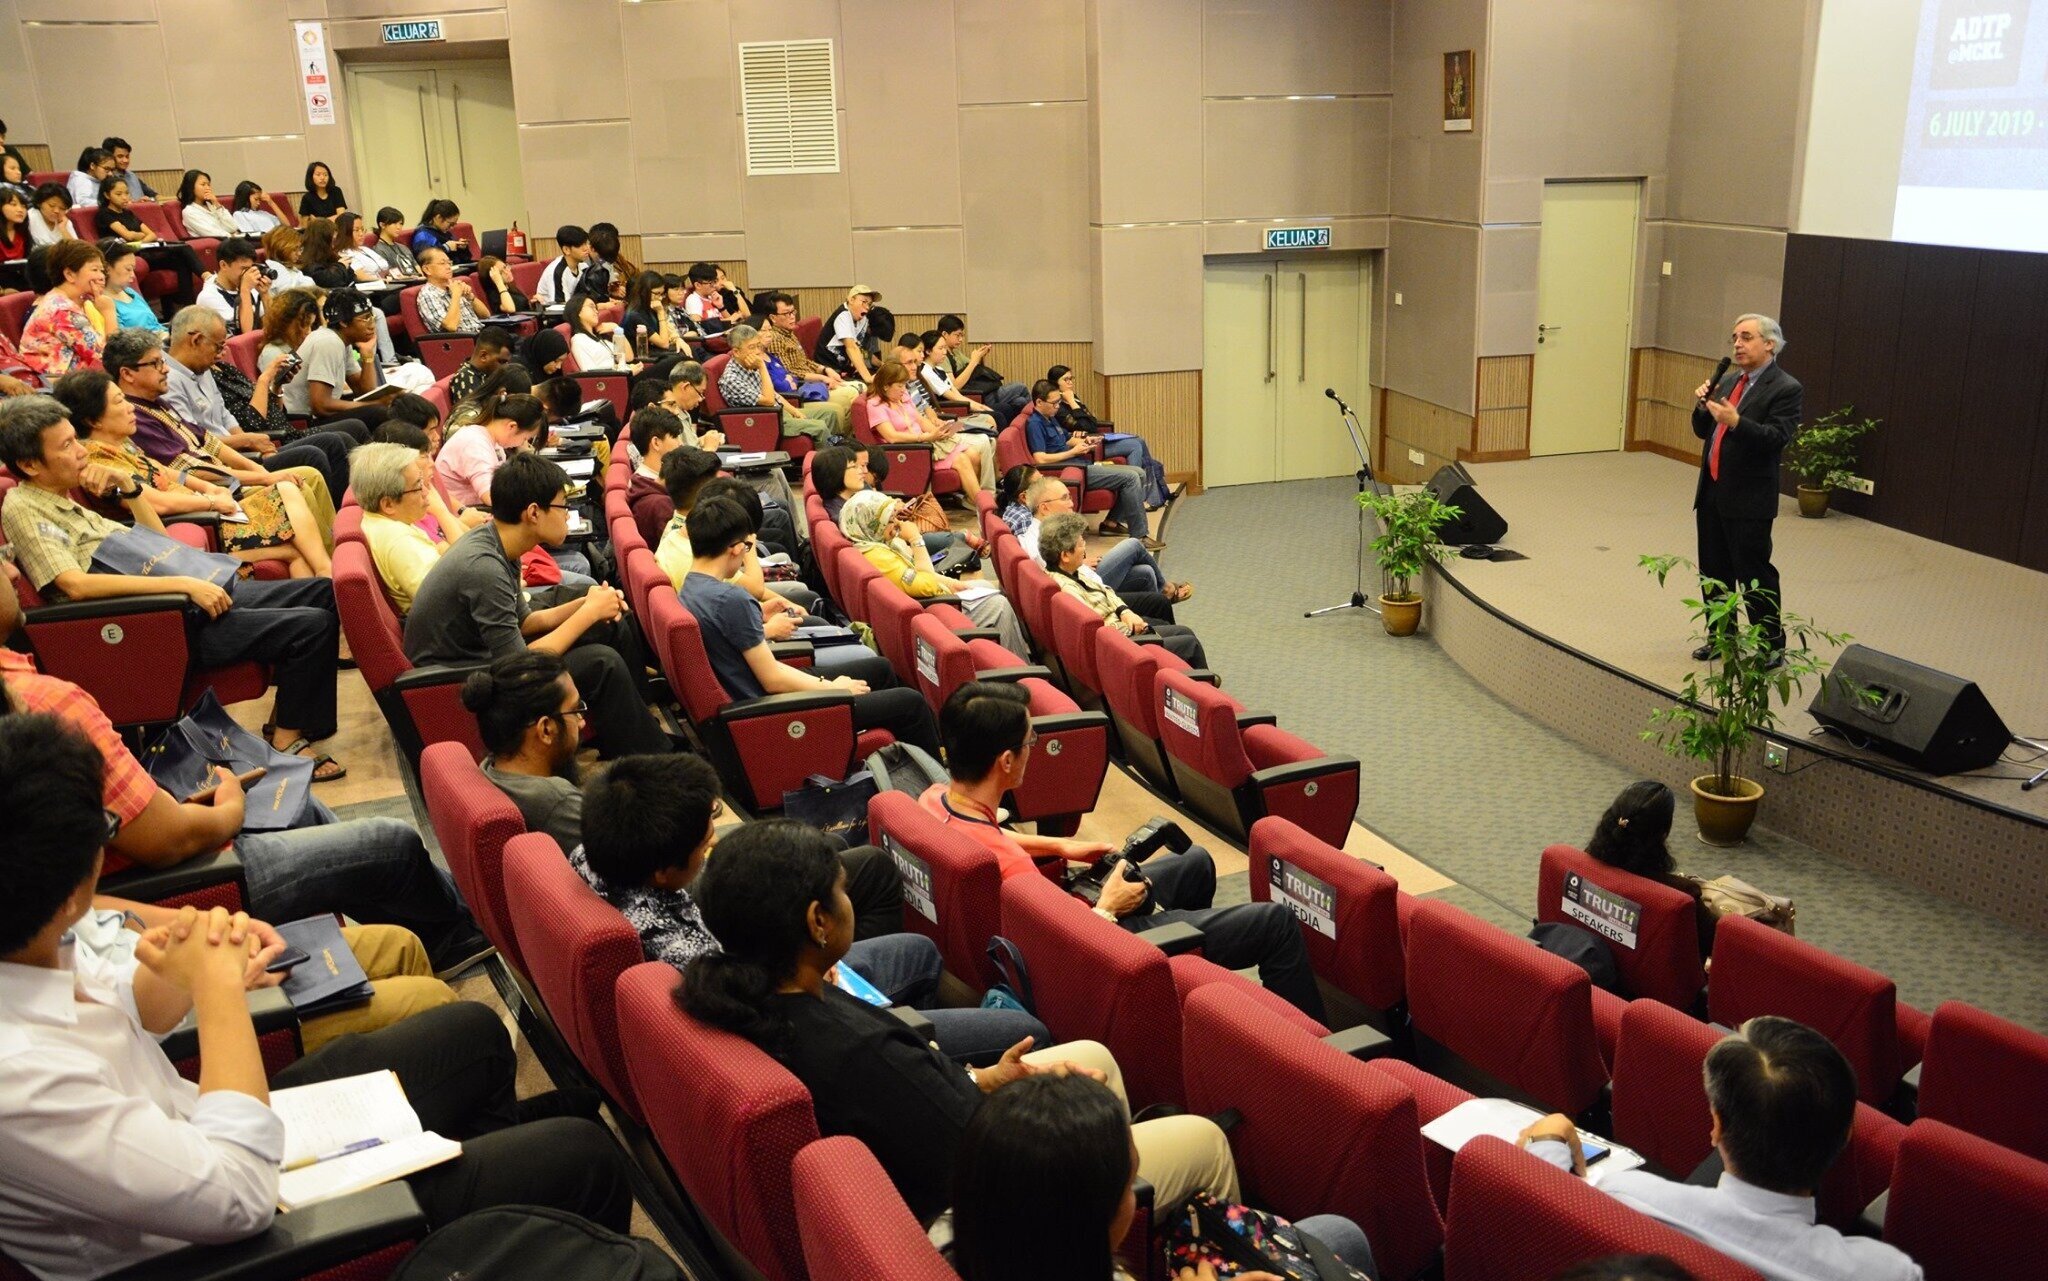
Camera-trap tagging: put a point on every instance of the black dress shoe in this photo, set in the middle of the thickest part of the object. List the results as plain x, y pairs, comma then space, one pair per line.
1703, 653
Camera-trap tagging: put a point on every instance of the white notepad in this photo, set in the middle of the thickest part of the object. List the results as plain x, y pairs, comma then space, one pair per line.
331, 1115
1504, 1119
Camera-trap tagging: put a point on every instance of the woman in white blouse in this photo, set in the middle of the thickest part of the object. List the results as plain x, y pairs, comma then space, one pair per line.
359, 258
49, 221
255, 212
204, 214
597, 344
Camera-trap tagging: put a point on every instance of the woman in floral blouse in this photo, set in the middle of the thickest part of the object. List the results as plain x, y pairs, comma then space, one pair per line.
66, 331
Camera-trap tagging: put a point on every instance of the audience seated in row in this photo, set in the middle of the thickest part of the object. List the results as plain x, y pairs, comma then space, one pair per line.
841, 471
877, 524
1051, 443
897, 419
1063, 545
1028, 497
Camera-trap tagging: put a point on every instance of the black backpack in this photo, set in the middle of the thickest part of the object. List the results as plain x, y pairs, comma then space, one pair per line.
1582, 948
514, 1243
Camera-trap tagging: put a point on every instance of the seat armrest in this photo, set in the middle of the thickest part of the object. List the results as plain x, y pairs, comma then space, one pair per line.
438, 674
153, 884
206, 520
914, 1020
979, 633
1174, 937
269, 1009
304, 1242
1302, 771
944, 598
75, 611
1206, 675
1248, 718
785, 704
792, 651
1362, 1042
1146, 638
1060, 722
1025, 672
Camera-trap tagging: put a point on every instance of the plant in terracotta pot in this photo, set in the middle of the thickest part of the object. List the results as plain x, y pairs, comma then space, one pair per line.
1823, 456
1407, 543
1731, 700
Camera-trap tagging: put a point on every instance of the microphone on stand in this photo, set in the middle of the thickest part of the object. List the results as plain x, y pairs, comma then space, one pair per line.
1720, 371
1331, 392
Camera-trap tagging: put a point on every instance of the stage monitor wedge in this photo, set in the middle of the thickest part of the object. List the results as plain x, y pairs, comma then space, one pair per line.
1933, 721
1477, 522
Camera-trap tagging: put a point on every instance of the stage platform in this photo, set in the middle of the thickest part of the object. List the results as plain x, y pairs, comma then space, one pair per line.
1579, 636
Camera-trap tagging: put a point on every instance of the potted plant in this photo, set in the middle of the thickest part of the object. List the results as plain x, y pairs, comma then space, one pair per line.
1729, 701
1823, 456
1407, 542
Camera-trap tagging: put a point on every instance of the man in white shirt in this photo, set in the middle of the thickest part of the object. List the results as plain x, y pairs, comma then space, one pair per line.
1783, 1100
236, 289
564, 272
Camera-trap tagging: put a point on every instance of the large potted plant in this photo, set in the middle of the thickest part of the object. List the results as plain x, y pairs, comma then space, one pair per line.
1407, 542
1823, 456
1728, 702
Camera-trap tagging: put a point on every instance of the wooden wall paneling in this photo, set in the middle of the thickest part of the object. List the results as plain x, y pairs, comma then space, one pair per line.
1812, 298
1164, 408
2033, 519
37, 154
1412, 424
1866, 326
1996, 446
1927, 390
1502, 429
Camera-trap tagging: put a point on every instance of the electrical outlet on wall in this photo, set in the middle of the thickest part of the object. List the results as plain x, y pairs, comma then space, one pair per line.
1667, 268
1860, 485
1397, 297
1776, 756
1417, 457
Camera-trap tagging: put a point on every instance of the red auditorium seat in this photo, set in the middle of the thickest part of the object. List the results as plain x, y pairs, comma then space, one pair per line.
1517, 1014
912, 470
473, 821
575, 946
754, 428
1235, 767
853, 1225
526, 275
1664, 963
422, 705
1095, 981
243, 350
1013, 449
1322, 1132
883, 605
1363, 955
14, 310
1126, 668
1514, 1217
951, 884
1757, 970
1965, 1208
1987, 1076
729, 1119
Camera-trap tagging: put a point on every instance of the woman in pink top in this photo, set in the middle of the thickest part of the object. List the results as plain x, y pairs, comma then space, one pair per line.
472, 454
896, 420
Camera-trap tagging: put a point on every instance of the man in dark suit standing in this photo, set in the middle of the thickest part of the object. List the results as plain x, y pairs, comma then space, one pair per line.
1744, 423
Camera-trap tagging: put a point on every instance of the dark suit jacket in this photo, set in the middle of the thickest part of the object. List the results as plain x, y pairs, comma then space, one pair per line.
1771, 408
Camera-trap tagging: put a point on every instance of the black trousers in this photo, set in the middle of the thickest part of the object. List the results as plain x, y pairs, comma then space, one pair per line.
1265, 935
876, 889
902, 712
325, 451
289, 624
456, 1064
1738, 551
620, 724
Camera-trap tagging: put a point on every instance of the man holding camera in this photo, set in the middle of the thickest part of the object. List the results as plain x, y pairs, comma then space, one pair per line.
236, 290
986, 726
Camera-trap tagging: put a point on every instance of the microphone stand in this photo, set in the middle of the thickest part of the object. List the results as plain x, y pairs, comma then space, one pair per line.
1355, 431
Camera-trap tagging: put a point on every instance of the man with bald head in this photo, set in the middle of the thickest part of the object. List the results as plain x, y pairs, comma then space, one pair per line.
1744, 421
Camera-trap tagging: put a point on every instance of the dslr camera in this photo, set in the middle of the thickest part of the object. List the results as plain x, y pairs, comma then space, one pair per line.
1156, 834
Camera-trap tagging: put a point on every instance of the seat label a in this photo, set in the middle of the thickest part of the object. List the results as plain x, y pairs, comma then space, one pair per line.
917, 879
1310, 898
1605, 913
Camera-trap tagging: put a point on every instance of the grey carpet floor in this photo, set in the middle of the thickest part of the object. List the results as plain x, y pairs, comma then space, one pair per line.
1476, 789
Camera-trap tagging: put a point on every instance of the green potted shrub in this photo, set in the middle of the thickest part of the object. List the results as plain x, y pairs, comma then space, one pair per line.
1731, 700
1823, 456
1407, 542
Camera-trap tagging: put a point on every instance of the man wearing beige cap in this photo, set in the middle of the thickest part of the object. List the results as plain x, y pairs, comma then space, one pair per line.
846, 347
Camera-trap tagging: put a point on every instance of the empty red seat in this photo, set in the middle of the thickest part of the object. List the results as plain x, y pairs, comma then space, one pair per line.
1355, 940
1758, 970
1322, 1132
1235, 767
853, 1225
1988, 1076
1662, 961
1519, 1015
1965, 1208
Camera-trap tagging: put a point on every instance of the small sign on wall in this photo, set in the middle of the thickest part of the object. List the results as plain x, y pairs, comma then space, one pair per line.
423, 31
312, 60
1297, 237
1459, 90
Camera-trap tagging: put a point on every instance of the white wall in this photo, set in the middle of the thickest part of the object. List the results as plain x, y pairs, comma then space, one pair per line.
1862, 75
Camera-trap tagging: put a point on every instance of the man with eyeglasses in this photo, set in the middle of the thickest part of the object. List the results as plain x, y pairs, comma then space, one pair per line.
530, 714
198, 342
471, 608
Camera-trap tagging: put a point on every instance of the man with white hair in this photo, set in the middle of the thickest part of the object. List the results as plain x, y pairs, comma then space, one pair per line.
1744, 421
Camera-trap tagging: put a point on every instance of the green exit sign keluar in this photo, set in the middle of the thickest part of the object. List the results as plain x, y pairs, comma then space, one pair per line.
412, 32
1297, 237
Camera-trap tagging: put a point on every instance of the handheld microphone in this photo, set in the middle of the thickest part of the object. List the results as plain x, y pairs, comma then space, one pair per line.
1720, 371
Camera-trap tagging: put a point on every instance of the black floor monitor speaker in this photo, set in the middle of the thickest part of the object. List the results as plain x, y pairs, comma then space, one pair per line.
1931, 720
1477, 522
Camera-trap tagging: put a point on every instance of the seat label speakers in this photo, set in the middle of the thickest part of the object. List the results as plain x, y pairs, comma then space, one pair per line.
1605, 913
1309, 897
1180, 709
917, 879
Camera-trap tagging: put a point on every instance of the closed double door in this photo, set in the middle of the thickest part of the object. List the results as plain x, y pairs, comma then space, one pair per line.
1276, 333
427, 131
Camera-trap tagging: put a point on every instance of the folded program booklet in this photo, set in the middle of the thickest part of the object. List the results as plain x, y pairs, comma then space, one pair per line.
348, 1134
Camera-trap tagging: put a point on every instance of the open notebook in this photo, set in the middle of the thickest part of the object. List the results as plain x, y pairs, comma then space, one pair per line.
331, 1117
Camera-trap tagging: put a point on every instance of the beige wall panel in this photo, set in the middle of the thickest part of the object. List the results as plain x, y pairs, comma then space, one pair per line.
568, 62
18, 105
1431, 334
398, 8
688, 249
686, 150
362, 39
88, 11
135, 99
242, 83
793, 20
1717, 273
819, 300
798, 228
918, 270
1149, 280
1643, 325
1272, 158
1435, 174
1438, 433
891, 72
1507, 288
1148, 110
1248, 237
1722, 171
278, 163
1021, 50
1577, 89
1164, 408
1272, 47
1028, 253
564, 163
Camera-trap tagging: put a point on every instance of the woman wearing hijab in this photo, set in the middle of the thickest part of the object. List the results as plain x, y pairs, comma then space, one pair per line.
543, 353
891, 542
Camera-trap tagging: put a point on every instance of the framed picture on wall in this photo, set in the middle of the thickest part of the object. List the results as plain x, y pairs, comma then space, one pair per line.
1458, 91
